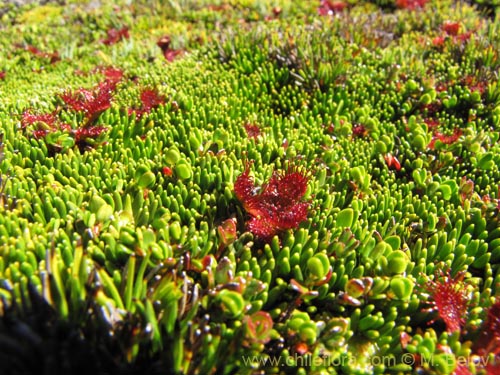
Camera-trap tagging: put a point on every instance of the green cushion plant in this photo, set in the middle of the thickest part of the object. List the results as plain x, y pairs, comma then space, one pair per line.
241, 187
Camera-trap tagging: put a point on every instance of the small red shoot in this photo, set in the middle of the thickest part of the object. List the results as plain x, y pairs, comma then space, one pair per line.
39, 134
115, 35
167, 171
258, 328
170, 54
392, 162
301, 348
227, 232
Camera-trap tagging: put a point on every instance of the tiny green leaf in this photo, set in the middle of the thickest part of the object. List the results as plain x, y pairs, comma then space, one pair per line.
345, 218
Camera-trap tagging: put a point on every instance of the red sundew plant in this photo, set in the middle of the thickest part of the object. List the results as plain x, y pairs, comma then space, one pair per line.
2, 75
411, 4
451, 32
475, 84
431, 123
359, 131
115, 35
493, 368
493, 326
276, 13
446, 139
150, 99
278, 205
83, 134
49, 123
42, 124
328, 8
28, 118
91, 102
112, 75
449, 299
451, 28
488, 341
253, 130
170, 54
463, 37
52, 57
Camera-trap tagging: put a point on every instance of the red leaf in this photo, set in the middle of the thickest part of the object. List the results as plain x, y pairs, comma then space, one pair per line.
150, 99
29, 118
493, 321
462, 369
392, 162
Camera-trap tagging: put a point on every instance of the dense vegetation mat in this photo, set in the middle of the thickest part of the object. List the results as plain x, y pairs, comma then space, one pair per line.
250, 187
